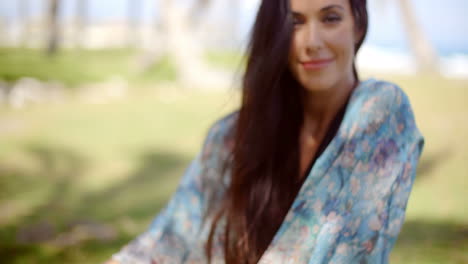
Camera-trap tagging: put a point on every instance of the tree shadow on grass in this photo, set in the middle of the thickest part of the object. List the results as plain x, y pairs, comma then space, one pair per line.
144, 192
424, 241
431, 161
139, 198
55, 176
45, 189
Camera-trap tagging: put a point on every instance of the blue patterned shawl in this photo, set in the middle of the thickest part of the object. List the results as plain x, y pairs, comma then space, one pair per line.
350, 208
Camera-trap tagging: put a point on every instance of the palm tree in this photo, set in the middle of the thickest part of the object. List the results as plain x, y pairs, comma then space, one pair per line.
53, 27
133, 15
81, 21
23, 8
197, 11
185, 50
421, 48
176, 39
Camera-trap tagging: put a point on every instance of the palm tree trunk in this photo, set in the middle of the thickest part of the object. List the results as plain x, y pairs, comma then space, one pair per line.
23, 8
134, 14
422, 48
198, 10
53, 23
177, 39
81, 22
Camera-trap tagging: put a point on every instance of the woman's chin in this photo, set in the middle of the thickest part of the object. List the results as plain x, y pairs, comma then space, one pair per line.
317, 85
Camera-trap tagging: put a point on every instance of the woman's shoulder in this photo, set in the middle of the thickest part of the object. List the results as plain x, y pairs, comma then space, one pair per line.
220, 135
376, 105
380, 96
222, 127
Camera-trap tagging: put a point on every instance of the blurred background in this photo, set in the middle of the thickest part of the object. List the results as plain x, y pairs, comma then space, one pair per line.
103, 103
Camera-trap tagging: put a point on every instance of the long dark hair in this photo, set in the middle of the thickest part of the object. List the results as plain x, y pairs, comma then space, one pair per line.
265, 157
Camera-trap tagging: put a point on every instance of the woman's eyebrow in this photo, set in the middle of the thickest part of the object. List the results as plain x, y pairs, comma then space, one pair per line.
324, 9
296, 13
328, 7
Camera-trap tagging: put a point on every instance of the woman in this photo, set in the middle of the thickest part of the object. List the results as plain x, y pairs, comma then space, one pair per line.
315, 167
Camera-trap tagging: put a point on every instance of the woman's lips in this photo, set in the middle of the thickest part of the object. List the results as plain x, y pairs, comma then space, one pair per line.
316, 64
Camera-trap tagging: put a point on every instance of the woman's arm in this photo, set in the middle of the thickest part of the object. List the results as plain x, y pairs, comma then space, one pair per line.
175, 230
382, 179
379, 250
170, 232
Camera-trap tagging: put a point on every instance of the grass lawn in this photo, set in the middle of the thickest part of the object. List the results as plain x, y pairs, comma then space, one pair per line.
115, 165
75, 67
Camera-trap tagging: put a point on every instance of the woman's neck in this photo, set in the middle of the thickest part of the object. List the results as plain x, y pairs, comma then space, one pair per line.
321, 107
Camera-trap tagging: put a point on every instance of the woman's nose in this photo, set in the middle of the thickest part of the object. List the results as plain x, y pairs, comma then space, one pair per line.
314, 38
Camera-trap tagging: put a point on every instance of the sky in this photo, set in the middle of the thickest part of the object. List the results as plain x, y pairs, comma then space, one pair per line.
443, 22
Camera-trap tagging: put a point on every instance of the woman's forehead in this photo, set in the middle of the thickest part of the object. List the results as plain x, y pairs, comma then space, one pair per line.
308, 6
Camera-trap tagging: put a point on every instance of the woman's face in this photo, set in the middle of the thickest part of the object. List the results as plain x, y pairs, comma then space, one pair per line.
323, 41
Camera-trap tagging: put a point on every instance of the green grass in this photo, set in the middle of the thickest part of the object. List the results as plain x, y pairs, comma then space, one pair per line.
117, 164
71, 67
74, 67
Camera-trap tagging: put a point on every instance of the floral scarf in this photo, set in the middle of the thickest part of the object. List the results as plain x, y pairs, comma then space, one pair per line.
350, 208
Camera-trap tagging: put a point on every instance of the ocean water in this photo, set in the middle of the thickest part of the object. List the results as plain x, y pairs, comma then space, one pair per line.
390, 59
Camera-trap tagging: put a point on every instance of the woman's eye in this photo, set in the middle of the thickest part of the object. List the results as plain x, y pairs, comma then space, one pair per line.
332, 19
297, 21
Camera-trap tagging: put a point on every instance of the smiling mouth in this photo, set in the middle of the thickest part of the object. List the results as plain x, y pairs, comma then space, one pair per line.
316, 64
